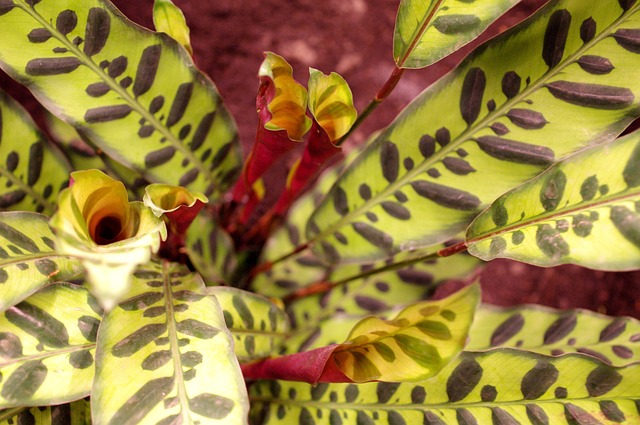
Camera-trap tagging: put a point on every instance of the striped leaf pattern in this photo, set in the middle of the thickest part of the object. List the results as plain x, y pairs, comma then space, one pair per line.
562, 80
172, 338
142, 101
28, 260
414, 345
427, 31
31, 172
495, 387
210, 250
74, 413
583, 210
47, 347
613, 340
257, 324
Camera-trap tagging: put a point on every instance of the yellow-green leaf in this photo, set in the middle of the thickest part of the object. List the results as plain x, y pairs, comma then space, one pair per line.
428, 30
583, 210
171, 337
168, 18
331, 103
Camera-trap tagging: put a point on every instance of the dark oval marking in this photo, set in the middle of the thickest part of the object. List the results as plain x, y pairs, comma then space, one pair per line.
527, 119
141, 301
408, 164
415, 277
107, 113
340, 201
88, 327
443, 136
117, 66
613, 330
611, 411
488, 393
430, 418
47, 267
511, 150
456, 23
551, 243
39, 35
595, 96
147, 69
156, 360
538, 380
143, 401
626, 4
386, 390
159, 157
395, 418
364, 191
51, 66
6, 6
588, 29
589, 188
135, 341
10, 345
631, 172
511, 83
577, 415
596, 65
23, 383
369, 303
628, 39
458, 166
189, 177
464, 417
446, 196
211, 405
196, 328
627, 223
501, 417
396, 210
473, 88
464, 378
66, 21
427, 145
11, 198
374, 236
555, 37
499, 128
202, 131
243, 310
537, 415
13, 159
507, 329
36, 157
97, 31
552, 191
98, 89
81, 359
156, 104
622, 351
390, 161
180, 103
559, 329
18, 238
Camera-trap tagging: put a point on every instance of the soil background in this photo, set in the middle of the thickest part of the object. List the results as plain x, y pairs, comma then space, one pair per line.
354, 38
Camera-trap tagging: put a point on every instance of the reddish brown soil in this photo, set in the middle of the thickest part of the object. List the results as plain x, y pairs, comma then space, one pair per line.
354, 38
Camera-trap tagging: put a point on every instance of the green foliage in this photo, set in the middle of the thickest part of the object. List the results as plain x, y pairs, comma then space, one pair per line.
118, 311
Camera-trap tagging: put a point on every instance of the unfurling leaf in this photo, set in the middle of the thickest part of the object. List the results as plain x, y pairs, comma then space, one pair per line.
168, 18
111, 236
282, 121
179, 205
420, 341
581, 211
331, 106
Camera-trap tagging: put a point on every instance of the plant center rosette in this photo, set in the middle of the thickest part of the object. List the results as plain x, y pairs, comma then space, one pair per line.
111, 236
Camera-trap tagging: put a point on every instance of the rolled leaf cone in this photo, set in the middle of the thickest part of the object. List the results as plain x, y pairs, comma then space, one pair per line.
331, 105
111, 236
281, 104
168, 18
179, 205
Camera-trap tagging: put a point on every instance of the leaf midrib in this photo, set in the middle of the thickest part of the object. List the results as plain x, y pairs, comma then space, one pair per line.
470, 131
114, 86
11, 261
418, 33
49, 354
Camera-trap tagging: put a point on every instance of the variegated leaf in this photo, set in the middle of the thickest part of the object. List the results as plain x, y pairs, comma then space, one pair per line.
257, 324
560, 81
172, 338
74, 413
28, 260
428, 30
47, 347
32, 172
614, 340
210, 250
496, 387
584, 210
142, 101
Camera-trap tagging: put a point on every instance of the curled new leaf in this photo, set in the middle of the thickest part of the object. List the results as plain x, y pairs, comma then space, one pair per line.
168, 18
420, 341
110, 235
179, 205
